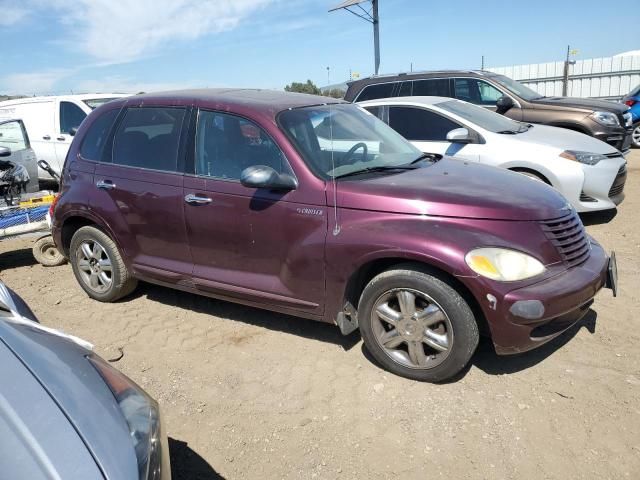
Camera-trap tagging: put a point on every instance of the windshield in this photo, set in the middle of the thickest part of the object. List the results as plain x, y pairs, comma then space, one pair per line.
94, 103
482, 117
336, 140
519, 89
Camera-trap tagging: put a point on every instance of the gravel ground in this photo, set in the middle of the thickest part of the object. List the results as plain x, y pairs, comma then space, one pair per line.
252, 394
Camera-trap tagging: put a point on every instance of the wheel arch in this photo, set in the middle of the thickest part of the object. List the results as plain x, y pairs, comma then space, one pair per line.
72, 223
359, 279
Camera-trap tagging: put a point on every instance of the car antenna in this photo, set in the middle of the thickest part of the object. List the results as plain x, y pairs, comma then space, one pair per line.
336, 226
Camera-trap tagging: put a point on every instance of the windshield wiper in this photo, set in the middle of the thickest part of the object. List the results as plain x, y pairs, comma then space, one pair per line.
381, 168
508, 132
424, 156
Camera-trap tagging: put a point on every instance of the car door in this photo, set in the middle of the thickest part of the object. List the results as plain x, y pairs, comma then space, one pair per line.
427, 130
138, 192
13, 136
265, 247
69, 116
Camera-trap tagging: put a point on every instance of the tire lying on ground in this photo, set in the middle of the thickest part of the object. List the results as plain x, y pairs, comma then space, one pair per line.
46, 253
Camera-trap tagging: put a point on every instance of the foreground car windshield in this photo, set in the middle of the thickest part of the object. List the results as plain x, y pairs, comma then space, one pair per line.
336, 140
482, 117
517, 88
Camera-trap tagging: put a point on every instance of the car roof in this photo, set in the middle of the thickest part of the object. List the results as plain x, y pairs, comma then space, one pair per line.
421, 100
46, 98
271, 101
394, 77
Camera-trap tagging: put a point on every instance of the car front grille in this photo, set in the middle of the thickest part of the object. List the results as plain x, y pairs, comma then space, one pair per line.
568, 235
618, 183
586, 198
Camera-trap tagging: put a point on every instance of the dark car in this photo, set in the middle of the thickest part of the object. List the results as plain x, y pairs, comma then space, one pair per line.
632, 100
67, 414
313, 207
607, 121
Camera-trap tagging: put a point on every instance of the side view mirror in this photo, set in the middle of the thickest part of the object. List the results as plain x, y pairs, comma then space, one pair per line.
73, 131
5, 151
459, 135
503, 104
261, 176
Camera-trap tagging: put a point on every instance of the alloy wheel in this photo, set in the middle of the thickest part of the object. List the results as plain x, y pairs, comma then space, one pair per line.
635, 136
412, 329
94, 265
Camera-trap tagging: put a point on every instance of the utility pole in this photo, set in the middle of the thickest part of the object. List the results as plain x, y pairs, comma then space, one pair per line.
369, 16
565, 75
328, 76
482, 64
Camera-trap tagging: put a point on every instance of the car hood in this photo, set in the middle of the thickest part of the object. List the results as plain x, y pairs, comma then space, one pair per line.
61, 367
453, 188
562, 139
583, 103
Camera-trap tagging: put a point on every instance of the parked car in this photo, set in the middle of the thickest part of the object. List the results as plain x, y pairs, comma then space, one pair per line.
589, 173
606, 121
15, 147
362, 232
66, 413
51, 122
632, 99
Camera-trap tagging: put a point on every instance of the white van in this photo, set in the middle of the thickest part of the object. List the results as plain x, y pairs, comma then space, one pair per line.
49, 121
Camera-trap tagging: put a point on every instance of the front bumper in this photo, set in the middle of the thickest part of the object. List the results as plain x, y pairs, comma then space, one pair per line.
531, 316
603, 186
618, 137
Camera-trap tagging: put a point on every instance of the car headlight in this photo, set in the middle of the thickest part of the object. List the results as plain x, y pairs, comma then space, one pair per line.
142, 415
583, 157
607, 119
503, 264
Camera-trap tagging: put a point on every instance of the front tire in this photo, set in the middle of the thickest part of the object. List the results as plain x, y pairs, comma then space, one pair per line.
98, 266
416, 325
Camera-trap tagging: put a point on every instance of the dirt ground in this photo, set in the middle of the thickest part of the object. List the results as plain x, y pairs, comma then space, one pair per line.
252, 394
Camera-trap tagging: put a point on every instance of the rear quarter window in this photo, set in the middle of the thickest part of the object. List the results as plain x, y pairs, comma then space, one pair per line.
373, 92
92, 147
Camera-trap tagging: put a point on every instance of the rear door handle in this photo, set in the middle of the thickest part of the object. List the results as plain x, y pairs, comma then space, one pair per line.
196, 199
105, 184
47, 137
61, 139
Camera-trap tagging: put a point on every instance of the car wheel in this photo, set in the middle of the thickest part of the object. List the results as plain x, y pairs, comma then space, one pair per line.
46, 253
98, 265
417, 325
635, 136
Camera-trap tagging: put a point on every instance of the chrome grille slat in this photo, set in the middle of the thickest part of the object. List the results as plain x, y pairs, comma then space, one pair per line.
567, 234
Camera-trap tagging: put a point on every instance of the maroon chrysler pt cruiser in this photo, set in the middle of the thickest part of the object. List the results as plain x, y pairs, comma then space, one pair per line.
313, 207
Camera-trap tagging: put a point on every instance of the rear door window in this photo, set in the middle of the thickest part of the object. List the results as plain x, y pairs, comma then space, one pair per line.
373, 92
419, 124
438, 87
71, 116
94, 141
149, 137
227, 144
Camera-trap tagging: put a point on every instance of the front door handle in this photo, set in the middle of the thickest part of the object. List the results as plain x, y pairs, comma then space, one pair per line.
61, 139
105, 184
196, 199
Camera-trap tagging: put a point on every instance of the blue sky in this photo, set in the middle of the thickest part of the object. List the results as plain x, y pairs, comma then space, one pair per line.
58, 46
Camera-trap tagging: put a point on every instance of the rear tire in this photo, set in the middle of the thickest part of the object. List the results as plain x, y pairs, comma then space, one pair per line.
98, 266
416, 325
635, 136
46, 253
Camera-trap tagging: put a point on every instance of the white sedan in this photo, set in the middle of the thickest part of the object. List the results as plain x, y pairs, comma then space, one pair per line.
588, 172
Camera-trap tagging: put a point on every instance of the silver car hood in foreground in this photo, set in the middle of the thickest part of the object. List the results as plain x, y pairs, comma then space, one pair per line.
563, 139
60, 384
